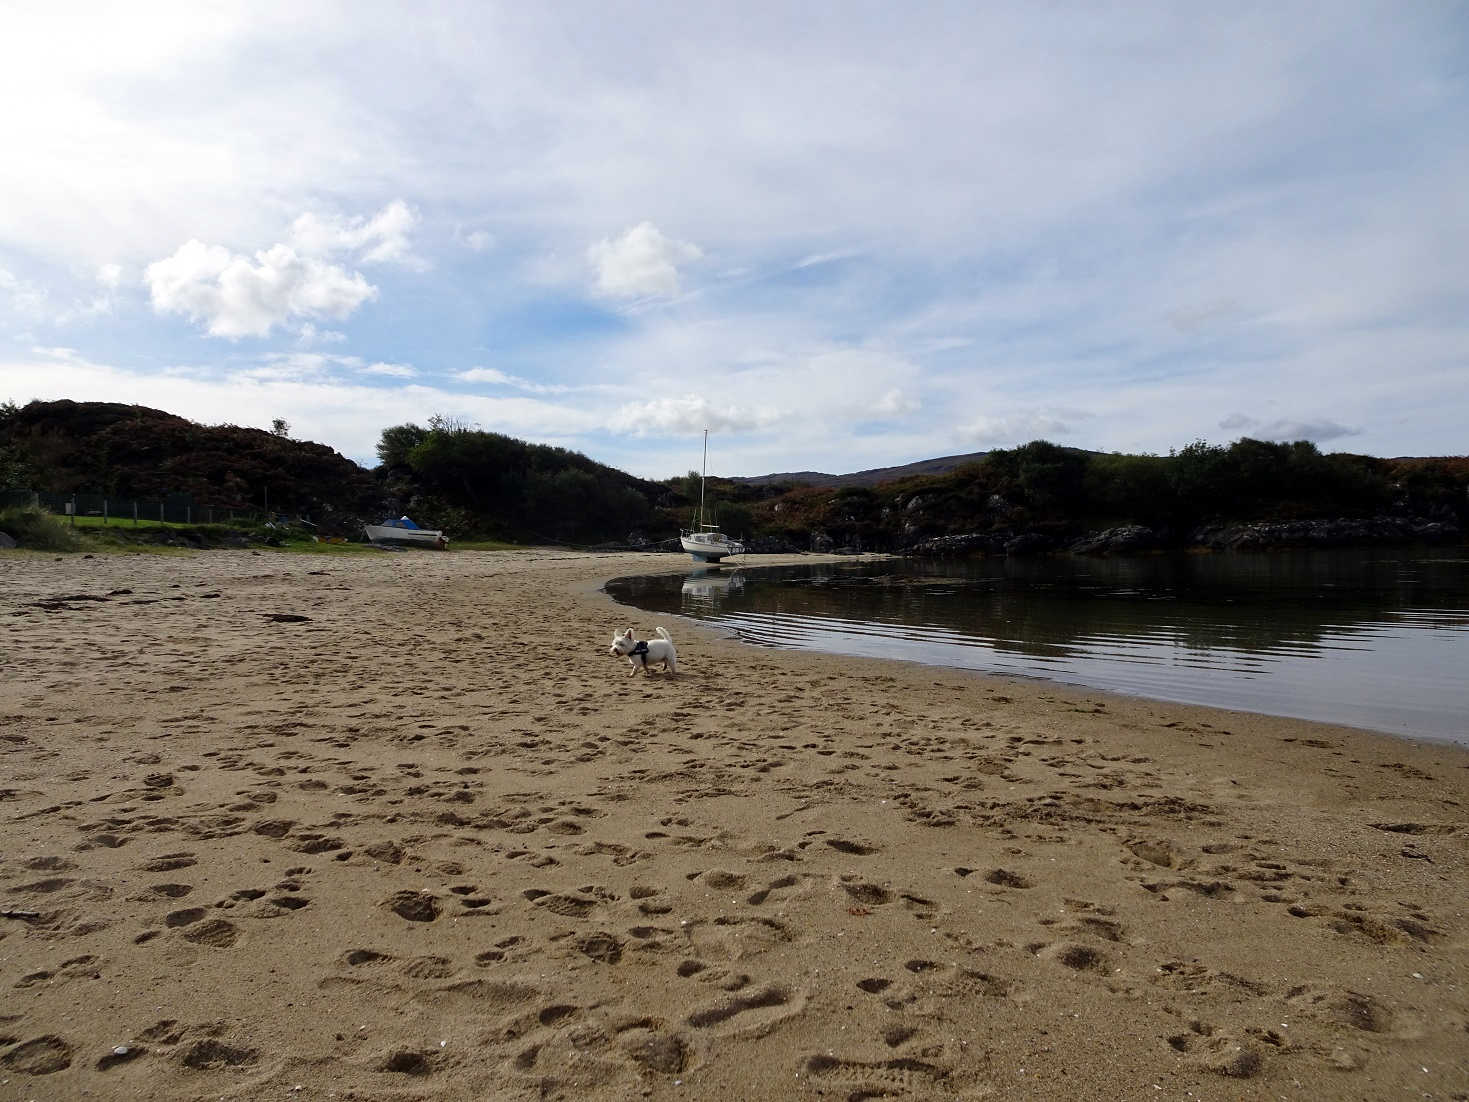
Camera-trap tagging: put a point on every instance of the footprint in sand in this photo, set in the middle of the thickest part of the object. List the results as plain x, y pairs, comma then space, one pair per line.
875, 1078
413, 906
39, 1056
757, 1010
217, 933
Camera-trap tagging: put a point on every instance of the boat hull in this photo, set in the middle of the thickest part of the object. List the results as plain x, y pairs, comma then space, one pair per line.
380, 533
709, 547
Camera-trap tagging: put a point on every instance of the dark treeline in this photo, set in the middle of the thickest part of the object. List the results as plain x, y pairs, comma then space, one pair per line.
478, 483
484, 484
1059, 494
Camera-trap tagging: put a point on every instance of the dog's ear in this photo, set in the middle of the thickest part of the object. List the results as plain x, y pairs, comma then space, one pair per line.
627, 634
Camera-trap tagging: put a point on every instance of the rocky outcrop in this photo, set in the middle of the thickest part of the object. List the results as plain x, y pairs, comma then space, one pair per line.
1127, 540
1135, 539
1342, 532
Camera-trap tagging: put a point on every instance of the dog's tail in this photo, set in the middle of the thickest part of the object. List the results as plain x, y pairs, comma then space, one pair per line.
664, 635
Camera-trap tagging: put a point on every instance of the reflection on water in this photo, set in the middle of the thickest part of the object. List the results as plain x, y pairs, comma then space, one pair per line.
1373, 638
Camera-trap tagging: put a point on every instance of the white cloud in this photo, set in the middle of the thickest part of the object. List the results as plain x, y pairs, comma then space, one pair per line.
381, 239
642, 263
488, 375
896, 403
496, 377
234, 297
689, 414
476, 241
109, 275
1014, 429
396, 371
24, 298
308, 335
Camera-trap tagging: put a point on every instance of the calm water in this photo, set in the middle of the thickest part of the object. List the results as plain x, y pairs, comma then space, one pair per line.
1370, 638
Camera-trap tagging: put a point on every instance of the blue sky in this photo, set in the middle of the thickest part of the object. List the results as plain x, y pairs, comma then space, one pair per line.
838, 235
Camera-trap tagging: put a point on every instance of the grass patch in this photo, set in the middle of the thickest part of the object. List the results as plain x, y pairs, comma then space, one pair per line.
37, 530
483, 545
92, 523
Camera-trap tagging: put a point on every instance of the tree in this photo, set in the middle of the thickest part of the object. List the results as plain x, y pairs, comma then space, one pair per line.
281, 427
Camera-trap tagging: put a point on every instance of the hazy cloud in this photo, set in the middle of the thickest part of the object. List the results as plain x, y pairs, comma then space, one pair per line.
1315, 431
396, 371
1014, 429
1284, 430
896, 403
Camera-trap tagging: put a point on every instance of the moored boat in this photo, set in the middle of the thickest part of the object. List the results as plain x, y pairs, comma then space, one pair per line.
705, 542
404, 530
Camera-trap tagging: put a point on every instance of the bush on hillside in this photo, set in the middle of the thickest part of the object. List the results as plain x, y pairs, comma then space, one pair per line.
37, 529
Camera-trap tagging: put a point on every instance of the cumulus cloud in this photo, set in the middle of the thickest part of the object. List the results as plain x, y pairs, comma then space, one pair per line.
686, 415
642, 263
234, 296
381, 239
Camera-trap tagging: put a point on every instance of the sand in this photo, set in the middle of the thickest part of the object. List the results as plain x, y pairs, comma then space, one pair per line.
432, 842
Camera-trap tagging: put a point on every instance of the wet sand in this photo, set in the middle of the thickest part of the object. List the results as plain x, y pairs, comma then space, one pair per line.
432, 842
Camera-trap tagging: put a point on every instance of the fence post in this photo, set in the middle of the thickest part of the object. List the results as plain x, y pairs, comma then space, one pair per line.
104, 512
189, 513
135, 512
161, 520
73, 510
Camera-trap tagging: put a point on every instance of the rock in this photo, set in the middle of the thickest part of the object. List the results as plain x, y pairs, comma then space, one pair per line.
7, 540
1027, 543
1343, 1060
1116, 541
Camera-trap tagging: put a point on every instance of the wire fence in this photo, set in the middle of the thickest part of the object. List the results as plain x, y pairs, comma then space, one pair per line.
95, 508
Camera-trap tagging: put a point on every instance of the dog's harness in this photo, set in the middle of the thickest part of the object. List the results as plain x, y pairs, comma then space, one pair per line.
640, 651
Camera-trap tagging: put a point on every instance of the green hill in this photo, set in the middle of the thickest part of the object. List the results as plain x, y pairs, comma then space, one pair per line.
127, 451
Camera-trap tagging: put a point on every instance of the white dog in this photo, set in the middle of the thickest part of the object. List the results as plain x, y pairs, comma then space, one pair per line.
645, 653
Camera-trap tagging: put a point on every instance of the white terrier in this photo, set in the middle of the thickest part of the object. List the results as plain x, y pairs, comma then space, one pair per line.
645, 653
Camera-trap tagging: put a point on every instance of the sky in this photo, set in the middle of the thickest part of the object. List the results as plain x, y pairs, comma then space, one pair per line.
837, 235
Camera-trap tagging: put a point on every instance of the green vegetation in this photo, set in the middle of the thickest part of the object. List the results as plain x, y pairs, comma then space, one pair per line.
127, 452
476, 484
490, 491
1062, 493
37, 530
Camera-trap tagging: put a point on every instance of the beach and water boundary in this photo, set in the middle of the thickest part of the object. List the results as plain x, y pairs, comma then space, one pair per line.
431, 841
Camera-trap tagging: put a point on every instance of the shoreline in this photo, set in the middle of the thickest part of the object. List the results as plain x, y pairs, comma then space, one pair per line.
1006, 675
432, 841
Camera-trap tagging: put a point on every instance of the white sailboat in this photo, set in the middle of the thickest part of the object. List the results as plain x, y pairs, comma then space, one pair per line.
705, 542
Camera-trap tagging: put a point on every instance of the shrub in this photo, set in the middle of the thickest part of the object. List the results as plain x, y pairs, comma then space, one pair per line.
37, 529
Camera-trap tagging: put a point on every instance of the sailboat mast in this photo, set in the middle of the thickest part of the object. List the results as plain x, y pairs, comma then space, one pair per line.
703, 477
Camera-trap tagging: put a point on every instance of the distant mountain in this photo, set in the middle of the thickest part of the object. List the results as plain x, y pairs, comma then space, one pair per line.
873, 477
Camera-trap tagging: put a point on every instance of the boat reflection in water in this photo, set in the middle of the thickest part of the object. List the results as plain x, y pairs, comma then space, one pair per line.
706, 589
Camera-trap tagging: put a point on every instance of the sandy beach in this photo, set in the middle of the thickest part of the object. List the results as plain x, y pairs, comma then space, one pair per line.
425, 839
